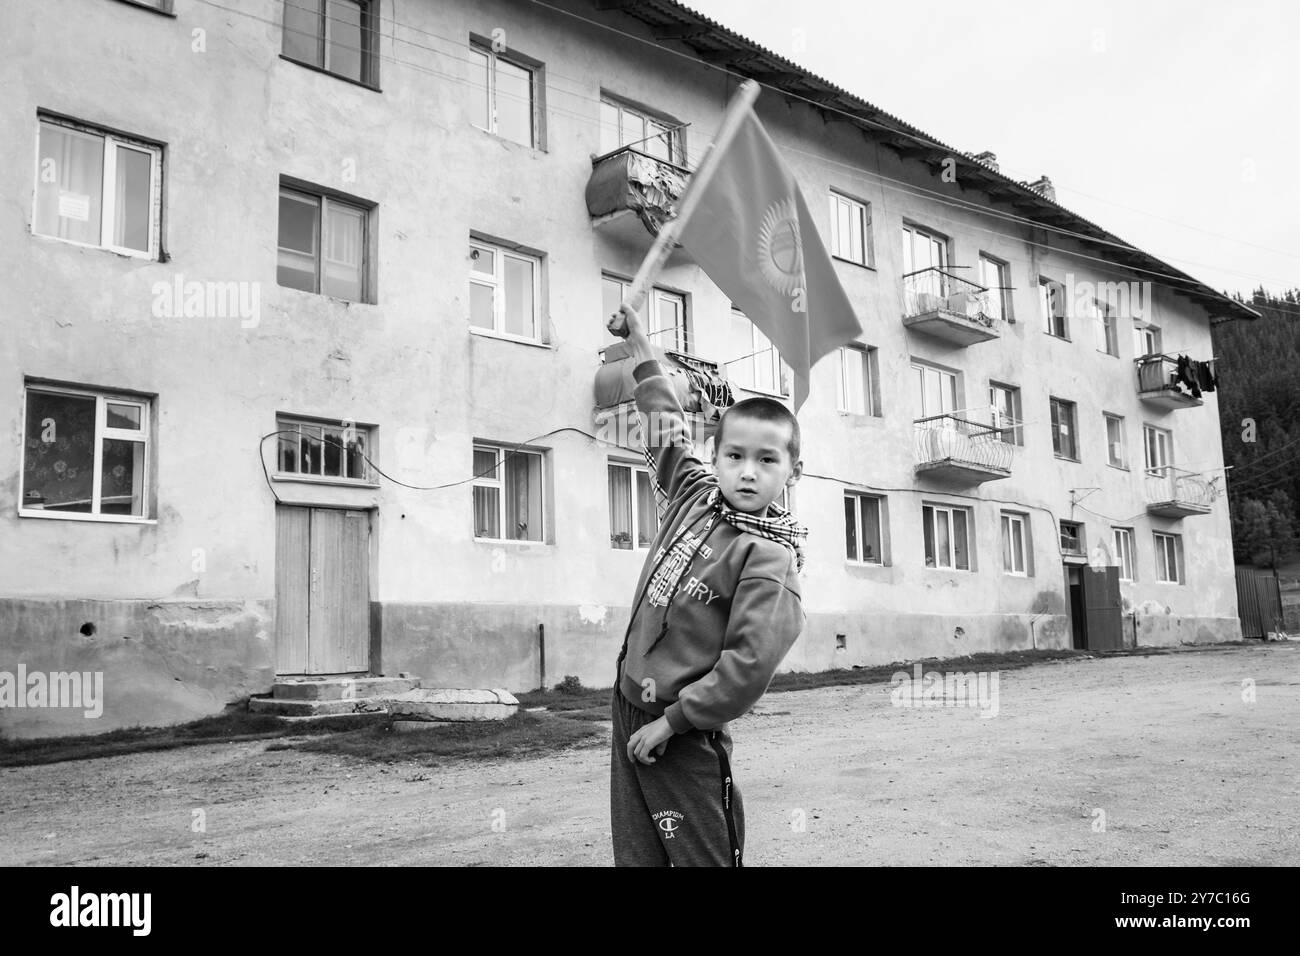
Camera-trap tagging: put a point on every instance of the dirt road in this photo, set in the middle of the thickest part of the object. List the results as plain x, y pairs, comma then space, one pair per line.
1135, 760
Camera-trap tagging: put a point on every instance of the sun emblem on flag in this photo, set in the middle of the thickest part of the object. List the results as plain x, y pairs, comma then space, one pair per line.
780, 250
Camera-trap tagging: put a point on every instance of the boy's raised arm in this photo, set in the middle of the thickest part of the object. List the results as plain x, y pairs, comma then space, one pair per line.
667, 433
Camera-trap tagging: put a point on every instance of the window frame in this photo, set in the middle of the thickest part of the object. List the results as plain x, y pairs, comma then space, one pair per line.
1165, 443
1079, 535
1002, 290
497, 283
670, 126
1007, 520
1015, 416
1107, 328
108, 195
928, 525
858, 497
1122, 539
859, 212
143, 435
1046, 289
1140, 335
651, 317
1162, 557
634, 522
486, 48
324, 198
1122, 464
842, 403
282, 423
165, 7
500, 484
368, 52
780, 371
1073, 431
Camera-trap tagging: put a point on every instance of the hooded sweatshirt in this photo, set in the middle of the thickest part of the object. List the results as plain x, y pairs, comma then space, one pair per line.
717, 608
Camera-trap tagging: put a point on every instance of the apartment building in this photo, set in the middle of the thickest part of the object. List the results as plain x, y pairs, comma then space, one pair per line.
309, 372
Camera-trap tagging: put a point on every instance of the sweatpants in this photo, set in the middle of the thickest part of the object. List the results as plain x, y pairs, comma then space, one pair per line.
683, 809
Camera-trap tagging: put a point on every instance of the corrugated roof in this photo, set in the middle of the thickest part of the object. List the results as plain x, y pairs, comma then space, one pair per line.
714, 43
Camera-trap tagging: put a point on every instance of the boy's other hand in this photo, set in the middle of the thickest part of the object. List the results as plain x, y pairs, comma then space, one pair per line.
654, 736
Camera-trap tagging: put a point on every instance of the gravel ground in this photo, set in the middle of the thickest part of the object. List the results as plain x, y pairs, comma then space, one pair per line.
1116, 761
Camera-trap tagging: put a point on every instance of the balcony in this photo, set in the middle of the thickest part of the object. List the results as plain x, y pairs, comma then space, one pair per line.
1175, 493
948, 307
1158, 383
701, 387
956, 449
631, 193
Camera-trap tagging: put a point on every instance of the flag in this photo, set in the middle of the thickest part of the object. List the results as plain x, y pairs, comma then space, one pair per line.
751, 231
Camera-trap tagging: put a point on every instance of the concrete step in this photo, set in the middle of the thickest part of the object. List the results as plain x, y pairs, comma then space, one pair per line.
341, 688
452, 704
315, 708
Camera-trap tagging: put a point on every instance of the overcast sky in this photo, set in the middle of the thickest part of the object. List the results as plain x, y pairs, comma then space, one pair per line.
1175, 125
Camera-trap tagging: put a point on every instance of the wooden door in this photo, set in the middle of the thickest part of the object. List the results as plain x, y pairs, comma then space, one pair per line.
322, 591
1102, 615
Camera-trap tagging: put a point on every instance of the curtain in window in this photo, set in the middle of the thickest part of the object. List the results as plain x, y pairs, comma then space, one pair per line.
344, 231
69, 184
59, 452
851, 528
620, 507
647, 511
133, 197
523, 497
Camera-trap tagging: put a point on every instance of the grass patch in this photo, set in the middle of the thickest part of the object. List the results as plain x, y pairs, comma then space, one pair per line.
522, 735
231, 726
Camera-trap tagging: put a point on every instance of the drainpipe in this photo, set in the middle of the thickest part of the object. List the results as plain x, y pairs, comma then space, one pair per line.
541, 646
1135, 629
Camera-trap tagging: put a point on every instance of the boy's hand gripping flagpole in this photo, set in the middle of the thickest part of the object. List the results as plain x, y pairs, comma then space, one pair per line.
666, 240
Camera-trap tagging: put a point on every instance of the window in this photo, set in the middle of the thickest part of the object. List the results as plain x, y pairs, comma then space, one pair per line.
633, 515
862, 528
1005, 400
624, 125
98, 188
507, 494
1072, 538
1158, 445
758, 366
664, 318
854, 382
1107, 328
322, 245
337, 36
506, 90
993, 275
505, 291
851, 230
1015, 532
1051, 301
1116, 446
924, 250
1169, 557
935, 392
84, 453
946, 542
1064, 443
323, 449
1146, 340
1124, 553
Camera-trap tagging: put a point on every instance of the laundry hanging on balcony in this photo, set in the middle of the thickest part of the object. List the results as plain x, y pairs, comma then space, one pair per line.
1194, 377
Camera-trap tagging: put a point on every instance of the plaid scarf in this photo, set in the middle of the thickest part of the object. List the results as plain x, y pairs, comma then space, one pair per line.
779, 526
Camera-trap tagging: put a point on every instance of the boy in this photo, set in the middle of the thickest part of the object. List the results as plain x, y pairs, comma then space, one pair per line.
717, 607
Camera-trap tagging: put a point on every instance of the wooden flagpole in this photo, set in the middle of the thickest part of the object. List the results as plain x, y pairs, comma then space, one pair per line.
666, 240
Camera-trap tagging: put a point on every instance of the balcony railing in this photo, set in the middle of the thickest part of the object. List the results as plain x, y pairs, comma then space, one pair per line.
631, 181
1176, 492
1158, 382
960, 448
949, 307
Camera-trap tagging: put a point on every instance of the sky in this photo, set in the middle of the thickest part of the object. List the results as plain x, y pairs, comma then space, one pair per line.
1174, 125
